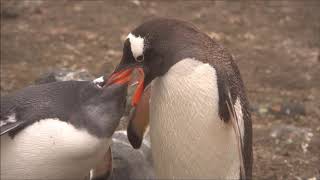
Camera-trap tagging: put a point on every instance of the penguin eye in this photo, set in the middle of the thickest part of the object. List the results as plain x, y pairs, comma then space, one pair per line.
140, 58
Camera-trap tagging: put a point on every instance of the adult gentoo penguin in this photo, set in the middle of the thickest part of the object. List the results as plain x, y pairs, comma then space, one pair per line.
200, 124
59, 130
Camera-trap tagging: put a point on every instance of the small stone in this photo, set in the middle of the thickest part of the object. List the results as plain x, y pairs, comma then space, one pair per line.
274, 134
287, 154
249, 36
312, 178
268, 71
311, 97
90, 35
263, 110
235, 19
136, 2
276, 108
289, 141
78, 8
215, 35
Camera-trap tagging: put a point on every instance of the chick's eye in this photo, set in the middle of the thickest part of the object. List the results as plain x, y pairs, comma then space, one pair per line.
140, 58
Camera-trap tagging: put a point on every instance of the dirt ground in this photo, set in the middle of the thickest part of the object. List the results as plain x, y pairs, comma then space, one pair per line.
276, 45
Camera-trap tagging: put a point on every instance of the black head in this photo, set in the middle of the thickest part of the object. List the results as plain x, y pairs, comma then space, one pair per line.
103, 108
156, 45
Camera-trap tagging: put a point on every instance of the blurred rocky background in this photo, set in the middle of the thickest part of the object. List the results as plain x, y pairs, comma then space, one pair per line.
276, 45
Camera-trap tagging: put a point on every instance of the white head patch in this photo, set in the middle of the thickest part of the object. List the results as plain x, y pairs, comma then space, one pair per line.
137, 45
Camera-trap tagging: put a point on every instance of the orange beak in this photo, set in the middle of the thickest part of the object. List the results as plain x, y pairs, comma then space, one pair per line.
139, 90
124, 76
120, 77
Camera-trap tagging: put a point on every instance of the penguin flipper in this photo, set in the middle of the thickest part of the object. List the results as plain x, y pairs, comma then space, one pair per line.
9, 127
7, 123
235, 124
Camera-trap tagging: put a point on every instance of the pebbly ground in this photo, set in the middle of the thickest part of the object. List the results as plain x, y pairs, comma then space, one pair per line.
276, 45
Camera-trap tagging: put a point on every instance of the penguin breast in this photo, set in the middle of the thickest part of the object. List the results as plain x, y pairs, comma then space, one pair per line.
50, 149
188, 138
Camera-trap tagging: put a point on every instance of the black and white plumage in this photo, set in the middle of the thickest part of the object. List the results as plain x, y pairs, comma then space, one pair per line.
200, 124
58, 130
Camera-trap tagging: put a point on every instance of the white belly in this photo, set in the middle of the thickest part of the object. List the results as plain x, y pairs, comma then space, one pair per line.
188, 138
50, 149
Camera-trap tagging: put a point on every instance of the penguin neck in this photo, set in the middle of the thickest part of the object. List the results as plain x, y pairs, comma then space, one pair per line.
188, 138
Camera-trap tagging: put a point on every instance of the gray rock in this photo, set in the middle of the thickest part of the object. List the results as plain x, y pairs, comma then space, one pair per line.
64, 75
129, 163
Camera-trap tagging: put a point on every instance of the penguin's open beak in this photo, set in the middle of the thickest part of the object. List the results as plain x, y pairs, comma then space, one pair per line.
139, 117
123, 76
120, 77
